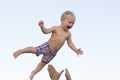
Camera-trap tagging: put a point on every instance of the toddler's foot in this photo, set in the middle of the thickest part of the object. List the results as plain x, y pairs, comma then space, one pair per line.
31, 75
67, 74
16, 54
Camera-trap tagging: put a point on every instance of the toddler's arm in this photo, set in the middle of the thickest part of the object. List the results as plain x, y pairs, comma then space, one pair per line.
72, 46
45, 30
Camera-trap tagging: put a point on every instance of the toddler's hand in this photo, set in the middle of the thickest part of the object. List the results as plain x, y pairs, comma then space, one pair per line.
41, 23
79, 51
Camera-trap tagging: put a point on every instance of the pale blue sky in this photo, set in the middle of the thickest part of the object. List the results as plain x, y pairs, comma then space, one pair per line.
96, 31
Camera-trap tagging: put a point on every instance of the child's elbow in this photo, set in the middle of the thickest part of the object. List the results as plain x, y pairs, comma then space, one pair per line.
45, 32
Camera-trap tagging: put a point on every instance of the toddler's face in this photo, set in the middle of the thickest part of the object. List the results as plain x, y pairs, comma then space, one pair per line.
68, 22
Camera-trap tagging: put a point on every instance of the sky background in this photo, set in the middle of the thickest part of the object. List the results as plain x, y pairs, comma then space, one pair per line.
96, 31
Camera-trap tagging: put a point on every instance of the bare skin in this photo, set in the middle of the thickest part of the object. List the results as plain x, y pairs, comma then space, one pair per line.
37, 69
25, 50
67, 74
60, 34
54, 75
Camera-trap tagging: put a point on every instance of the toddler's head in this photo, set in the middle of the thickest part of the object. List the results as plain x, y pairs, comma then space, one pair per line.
67, 20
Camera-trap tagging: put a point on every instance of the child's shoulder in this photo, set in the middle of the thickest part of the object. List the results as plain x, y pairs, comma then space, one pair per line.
55, 27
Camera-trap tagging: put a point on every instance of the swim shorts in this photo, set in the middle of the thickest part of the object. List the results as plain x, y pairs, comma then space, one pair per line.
45, 49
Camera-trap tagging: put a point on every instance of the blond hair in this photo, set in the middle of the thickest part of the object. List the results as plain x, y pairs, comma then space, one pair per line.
67, 13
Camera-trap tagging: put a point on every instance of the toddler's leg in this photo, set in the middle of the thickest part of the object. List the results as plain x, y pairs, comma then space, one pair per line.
25, 50
67, 74
37, 69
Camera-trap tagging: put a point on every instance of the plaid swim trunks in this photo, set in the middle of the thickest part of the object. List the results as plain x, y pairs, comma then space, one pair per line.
45, 49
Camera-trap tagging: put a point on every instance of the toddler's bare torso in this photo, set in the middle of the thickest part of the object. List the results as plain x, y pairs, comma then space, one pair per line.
58, 38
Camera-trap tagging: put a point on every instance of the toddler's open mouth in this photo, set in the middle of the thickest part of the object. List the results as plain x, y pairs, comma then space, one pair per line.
68, 27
